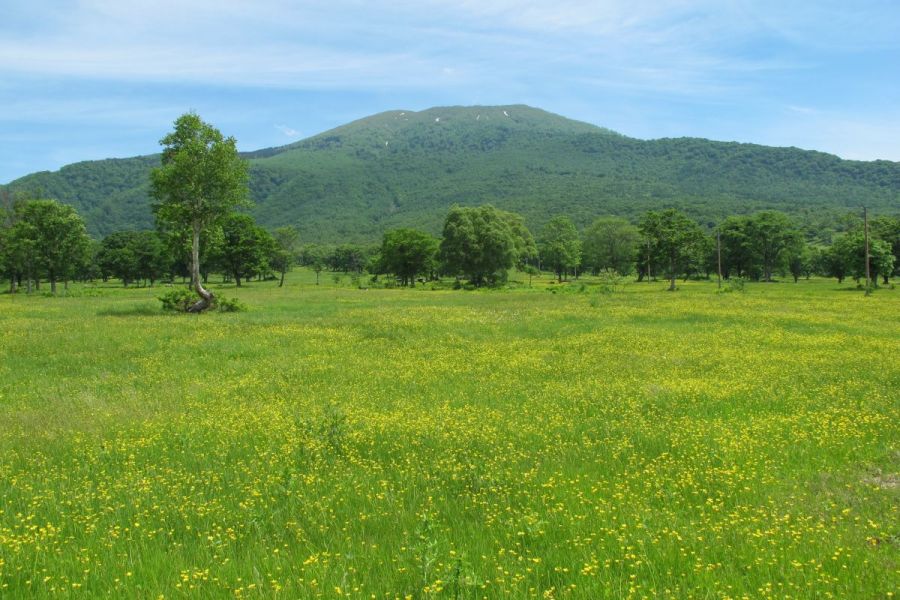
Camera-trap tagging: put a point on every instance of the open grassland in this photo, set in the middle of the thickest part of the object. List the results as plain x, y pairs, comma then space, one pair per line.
336, 442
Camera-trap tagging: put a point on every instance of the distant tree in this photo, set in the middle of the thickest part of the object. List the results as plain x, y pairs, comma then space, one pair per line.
560, 246
116, 257
314, 257
799, 259
848, 257
245, 248
610, 243
673, 238
349, 258
286, 239
52, 237
478, 243
201, 180
737, 255
769, 234
407, 253
887, 229
523, 240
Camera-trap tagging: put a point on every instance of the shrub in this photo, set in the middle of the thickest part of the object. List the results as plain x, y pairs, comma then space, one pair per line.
229, 305
178, 300
734, 284
610, 281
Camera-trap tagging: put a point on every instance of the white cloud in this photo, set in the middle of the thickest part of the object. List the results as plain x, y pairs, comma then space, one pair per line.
288, 131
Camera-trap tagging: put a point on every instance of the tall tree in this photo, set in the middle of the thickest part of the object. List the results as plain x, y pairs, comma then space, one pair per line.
407, 253
887, 229
478, 243
610, 243
245, 248
848, 256
560, 246
673, 238
286, 240
526, 248
769, 235
737, 256
201, 180
58, 238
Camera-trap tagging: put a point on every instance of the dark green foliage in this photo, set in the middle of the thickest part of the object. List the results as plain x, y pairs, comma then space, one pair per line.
178, 300
673, 239
200, 181
246, 248
887, 229
769, 234
526, 248
224, 304
846, 257
560, 246
350, 258
132, 256
405, 169
46, 239
610, 243
407, 253
478, 243
285, 251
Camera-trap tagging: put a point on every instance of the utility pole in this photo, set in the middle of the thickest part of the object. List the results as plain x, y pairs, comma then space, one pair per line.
719, 253
866, 228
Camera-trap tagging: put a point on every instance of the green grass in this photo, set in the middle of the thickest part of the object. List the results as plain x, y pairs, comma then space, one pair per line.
425, 443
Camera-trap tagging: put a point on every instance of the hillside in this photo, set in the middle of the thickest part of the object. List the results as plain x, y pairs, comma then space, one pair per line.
405, 168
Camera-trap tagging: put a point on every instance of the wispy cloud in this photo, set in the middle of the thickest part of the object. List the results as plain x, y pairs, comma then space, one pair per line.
288, 131
718, 68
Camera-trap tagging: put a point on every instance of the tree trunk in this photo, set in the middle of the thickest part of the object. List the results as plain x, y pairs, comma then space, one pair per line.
53, 283
672, 276
281, 283
206, 297
237, 280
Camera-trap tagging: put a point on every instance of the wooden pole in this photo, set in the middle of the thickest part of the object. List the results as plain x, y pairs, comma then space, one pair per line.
866, 228
719, 253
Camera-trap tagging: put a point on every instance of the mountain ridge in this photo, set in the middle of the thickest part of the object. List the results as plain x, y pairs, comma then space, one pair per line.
405, 168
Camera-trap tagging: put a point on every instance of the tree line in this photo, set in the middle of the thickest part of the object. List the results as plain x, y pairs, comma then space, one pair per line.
201, 186
44, 240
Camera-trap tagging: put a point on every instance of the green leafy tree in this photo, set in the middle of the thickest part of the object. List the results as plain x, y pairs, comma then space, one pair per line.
201, 180
407, 253
286, 240
610, 243
314, 257
245, 248
53, 238
848, 256
478, 243
526, 248
673, 238
769, 234
116, 257
798, 257
887, 229
560, 246
737, 255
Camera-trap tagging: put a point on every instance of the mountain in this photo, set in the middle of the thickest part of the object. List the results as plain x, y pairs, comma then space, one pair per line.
405, 168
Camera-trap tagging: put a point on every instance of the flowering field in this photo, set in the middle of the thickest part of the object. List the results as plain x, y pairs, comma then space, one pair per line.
336, 442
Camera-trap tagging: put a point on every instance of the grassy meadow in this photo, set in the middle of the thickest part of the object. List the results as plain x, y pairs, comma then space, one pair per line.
550, 442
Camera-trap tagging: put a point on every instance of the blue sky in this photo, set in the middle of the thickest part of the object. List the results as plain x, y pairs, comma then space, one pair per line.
89, 79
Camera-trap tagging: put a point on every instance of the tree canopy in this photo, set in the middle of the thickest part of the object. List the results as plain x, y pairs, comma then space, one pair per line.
201, 180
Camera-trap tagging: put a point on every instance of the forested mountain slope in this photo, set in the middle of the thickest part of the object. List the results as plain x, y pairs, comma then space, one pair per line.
405, 168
